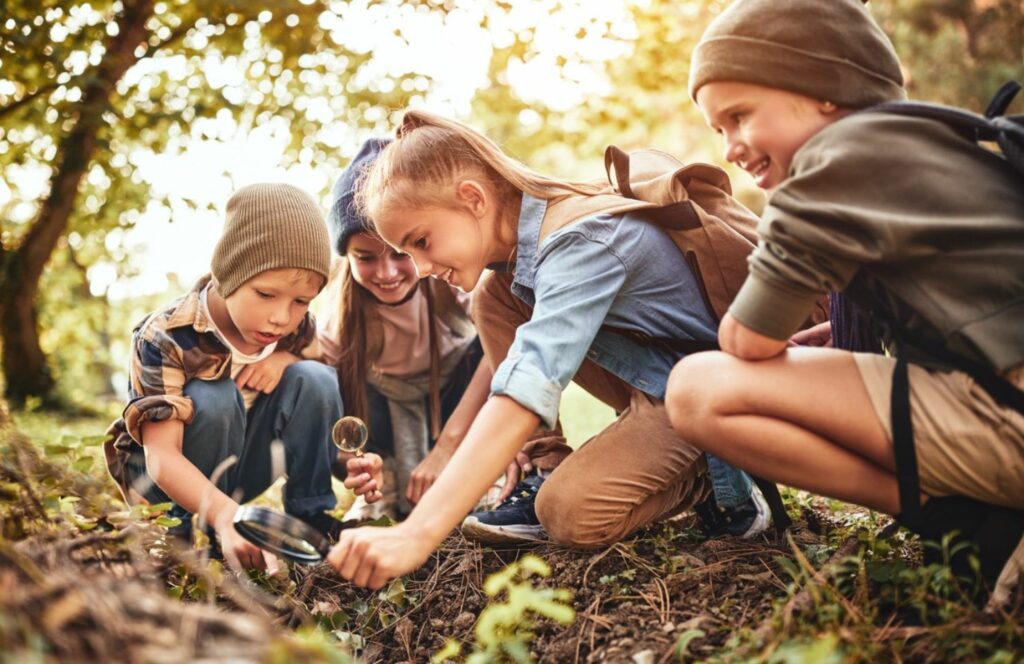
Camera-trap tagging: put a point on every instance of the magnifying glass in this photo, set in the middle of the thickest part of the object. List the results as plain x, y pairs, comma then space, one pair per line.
349, 435
286, 536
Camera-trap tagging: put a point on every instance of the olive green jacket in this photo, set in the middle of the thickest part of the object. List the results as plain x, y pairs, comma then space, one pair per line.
900, 211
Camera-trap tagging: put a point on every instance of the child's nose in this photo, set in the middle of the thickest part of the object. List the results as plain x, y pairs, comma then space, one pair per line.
423, 267
279, 315
733, 150
387, 270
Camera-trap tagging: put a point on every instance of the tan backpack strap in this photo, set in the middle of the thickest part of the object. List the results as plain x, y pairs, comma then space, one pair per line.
616, 167
435, 363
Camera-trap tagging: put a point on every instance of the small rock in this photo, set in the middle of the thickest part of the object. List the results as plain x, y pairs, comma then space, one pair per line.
643, 657
668, 627
464, 620
687, 561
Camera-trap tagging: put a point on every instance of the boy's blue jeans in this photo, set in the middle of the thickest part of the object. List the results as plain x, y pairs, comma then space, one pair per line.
731, 485
299, 413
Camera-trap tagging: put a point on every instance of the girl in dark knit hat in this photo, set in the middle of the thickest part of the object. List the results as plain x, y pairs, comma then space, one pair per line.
921, 228
406, 352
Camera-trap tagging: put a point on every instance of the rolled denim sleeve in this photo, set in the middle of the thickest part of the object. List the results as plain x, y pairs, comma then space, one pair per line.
576, 281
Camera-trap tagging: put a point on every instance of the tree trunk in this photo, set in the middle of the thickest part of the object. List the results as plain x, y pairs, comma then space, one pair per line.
24, 364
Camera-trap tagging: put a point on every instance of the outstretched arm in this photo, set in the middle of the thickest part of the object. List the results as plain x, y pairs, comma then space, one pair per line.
455, 429
372, 556
187, 486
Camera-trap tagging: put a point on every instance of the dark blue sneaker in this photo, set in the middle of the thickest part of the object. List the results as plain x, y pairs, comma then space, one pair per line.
514, 520
745, 520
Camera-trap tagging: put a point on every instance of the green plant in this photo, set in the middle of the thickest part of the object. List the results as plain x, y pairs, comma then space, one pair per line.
504, 630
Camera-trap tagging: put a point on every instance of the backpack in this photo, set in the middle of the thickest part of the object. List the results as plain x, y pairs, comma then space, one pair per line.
692, 203
1008, 133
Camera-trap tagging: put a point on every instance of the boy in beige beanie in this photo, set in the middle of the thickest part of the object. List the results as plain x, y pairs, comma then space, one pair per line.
217, 374
920, 228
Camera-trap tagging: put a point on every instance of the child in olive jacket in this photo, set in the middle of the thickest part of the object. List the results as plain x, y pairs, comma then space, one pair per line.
921, 228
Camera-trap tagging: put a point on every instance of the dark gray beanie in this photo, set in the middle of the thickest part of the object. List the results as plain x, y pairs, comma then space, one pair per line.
830, 50
269, 227
344, 218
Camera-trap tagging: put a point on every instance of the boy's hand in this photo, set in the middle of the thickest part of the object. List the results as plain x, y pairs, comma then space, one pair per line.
366, 476
263, 376
425, 474
242, 554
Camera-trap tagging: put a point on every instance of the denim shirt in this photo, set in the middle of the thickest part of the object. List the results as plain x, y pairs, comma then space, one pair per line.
619, 271
615, 270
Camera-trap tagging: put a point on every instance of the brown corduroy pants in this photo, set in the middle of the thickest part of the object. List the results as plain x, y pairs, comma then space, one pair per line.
632, 473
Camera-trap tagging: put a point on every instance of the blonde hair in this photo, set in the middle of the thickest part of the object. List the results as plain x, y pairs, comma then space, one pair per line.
431, 154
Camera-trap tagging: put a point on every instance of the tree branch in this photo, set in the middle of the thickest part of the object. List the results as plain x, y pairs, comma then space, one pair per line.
27, 99
77, 148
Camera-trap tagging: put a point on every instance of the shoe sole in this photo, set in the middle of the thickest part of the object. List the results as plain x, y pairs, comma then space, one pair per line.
764, 515
474, 529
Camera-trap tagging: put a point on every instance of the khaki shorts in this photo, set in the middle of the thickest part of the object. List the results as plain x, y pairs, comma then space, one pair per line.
967, 444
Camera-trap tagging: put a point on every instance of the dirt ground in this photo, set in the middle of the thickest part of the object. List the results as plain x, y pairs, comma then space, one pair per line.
83, 580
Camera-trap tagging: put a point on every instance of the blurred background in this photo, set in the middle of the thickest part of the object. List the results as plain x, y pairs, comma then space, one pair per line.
125, 126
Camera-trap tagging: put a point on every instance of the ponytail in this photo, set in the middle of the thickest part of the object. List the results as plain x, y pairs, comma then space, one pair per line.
431, 154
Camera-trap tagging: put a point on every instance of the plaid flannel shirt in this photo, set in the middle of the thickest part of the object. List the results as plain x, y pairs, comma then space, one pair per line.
169, 348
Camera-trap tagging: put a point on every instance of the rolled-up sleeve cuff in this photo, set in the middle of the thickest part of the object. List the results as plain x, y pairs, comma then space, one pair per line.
155, 409
771, 310
529, 387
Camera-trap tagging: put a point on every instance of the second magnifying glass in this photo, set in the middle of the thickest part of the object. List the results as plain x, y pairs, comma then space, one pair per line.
349, 435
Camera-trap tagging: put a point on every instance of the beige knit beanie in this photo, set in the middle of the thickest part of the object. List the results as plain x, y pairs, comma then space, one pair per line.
830, 50
269, 227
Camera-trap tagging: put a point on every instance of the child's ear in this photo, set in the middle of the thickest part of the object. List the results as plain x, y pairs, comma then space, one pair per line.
472, 195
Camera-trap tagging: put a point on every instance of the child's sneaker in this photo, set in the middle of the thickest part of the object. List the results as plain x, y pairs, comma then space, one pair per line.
745, 520
514, 520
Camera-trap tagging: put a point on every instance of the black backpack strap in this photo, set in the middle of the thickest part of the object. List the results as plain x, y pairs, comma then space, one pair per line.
684, 346
1005, 130
903, 448
770, 491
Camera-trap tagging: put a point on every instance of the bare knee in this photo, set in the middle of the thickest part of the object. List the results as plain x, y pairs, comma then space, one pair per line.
698, 388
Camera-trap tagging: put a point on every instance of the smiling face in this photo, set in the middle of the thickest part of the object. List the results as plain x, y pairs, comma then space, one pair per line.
454, 244
763, 127
386, 273
265, 308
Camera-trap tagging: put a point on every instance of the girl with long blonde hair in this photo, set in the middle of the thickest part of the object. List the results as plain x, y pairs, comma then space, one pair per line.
565, 281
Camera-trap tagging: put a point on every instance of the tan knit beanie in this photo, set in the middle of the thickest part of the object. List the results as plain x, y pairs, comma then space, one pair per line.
830, 50
269, 227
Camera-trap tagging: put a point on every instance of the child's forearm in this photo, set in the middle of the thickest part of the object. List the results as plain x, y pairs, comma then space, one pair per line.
473, 399
495, 436
179, 478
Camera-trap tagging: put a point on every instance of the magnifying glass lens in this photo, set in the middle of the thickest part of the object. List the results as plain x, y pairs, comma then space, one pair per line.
349, 434
281, 534
283, 541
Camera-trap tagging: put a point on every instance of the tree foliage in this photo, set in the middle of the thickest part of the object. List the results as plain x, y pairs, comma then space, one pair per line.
88, 88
